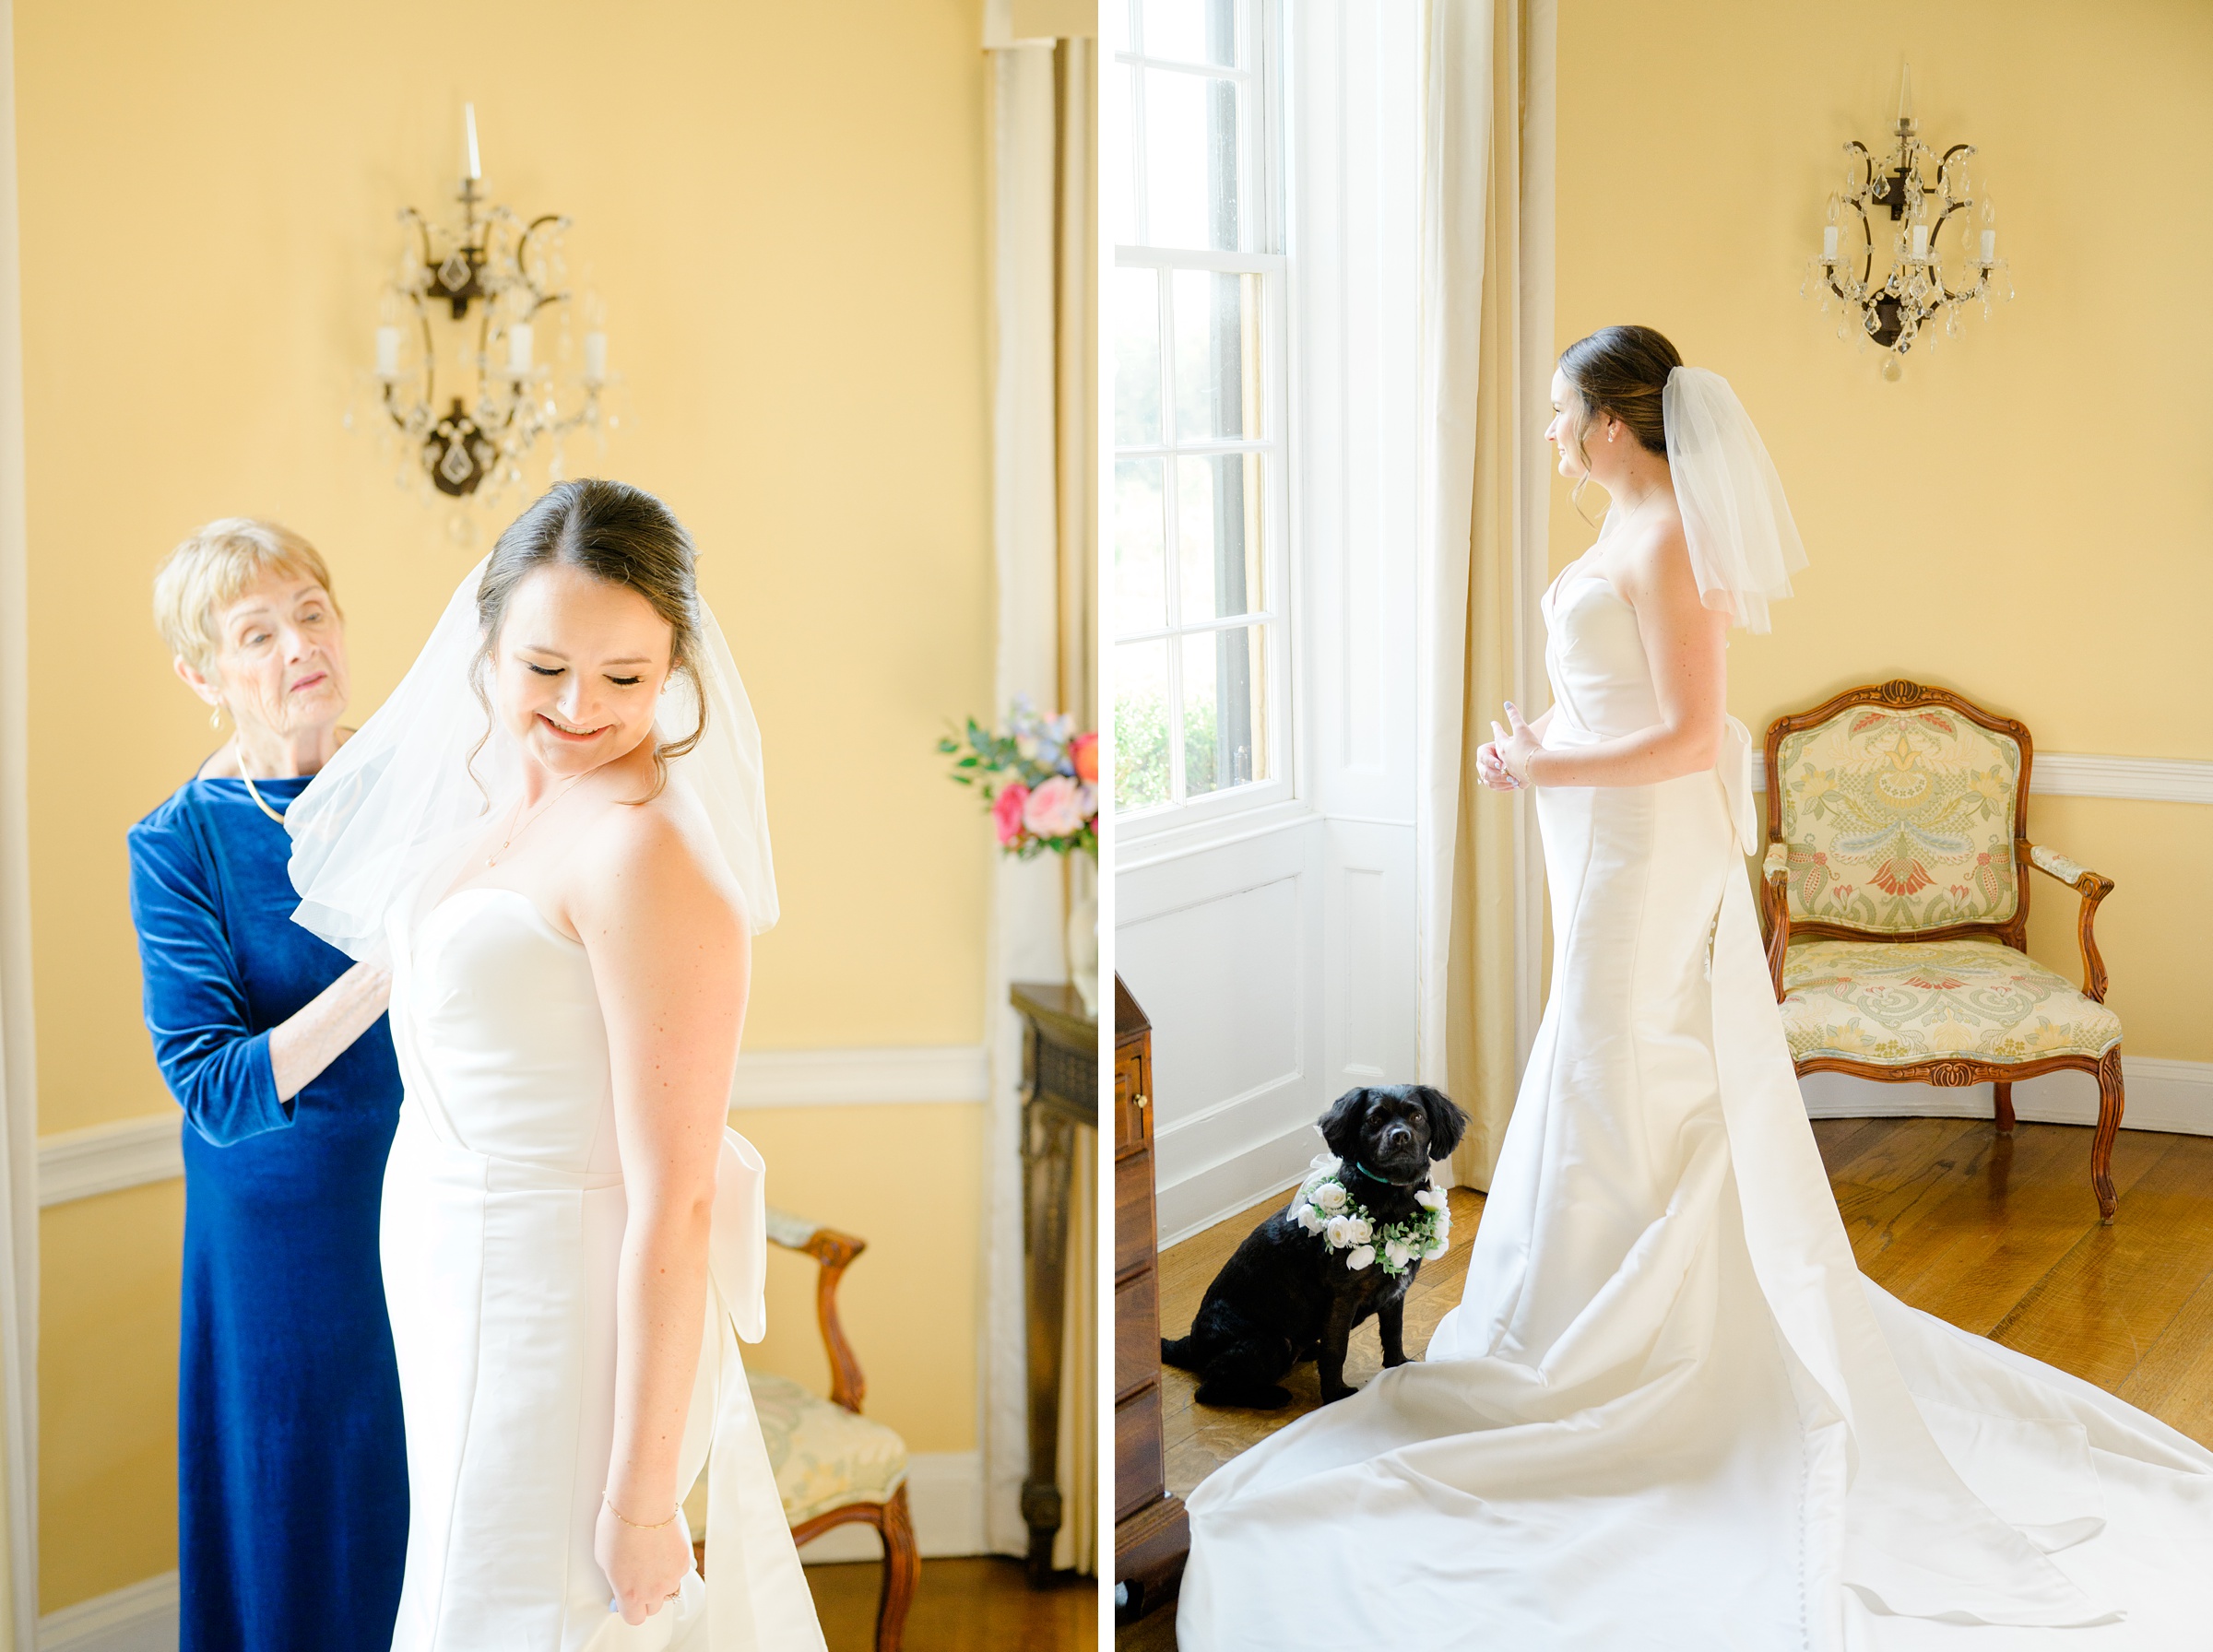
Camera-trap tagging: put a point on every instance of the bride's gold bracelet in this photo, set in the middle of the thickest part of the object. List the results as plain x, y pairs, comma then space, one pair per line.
640, 1526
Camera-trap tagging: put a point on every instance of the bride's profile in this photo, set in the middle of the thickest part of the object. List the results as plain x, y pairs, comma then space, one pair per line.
1669, 1411
555, 829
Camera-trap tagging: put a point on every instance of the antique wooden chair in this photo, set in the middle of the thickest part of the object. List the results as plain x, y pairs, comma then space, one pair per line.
833, 1465
1895, 900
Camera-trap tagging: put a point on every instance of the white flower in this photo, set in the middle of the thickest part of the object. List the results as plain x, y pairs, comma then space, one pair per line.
1358, 1230
1331, 1196
1329, 1165
1307, 1217
1431, 1197
1357, 1259
1397, 1253
1341, 1232
1437, 1249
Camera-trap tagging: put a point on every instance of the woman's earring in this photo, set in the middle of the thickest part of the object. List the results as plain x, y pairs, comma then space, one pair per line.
214, 718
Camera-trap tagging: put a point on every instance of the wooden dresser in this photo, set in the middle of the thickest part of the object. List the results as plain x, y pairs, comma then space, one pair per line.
1151, 1534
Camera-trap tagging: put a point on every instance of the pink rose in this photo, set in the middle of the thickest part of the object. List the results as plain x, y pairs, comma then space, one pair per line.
1083, 752
1054, 809
1007, 810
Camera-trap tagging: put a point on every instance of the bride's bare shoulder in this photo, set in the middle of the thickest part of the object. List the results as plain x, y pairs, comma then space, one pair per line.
1656, 559
658, 850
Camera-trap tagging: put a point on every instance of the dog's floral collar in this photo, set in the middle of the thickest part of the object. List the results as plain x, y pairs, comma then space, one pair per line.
1324, 1205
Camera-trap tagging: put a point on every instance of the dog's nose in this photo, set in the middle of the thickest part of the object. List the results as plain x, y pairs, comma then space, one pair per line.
1397, 1136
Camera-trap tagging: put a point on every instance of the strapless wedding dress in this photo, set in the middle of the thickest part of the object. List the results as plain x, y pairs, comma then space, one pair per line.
1669, 1411
503, 1214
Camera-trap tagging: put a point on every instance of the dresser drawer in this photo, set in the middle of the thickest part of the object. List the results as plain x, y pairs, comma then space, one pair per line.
1133, 1217
1139, 1469
1136, 1333
1132, 1098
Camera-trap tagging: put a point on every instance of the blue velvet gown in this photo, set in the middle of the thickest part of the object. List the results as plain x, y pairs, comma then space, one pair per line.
291, 1467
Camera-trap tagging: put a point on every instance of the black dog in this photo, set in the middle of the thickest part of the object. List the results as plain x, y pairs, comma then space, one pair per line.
1287, 1296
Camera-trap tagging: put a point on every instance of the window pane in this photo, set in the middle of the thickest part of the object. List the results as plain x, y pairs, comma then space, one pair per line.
1135, 295
1225, 702
1141, 726
1217, 320
1192, 31
1140, 552
1192, 161
1118, 165
1218, 541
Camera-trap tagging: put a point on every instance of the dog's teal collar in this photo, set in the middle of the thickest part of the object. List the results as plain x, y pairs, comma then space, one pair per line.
1372, 1176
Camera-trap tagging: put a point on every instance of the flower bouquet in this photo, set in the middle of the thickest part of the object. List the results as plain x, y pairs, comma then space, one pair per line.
1039, 778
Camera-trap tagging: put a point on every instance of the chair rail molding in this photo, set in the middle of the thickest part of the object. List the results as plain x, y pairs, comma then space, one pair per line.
131, 1153
2094, 774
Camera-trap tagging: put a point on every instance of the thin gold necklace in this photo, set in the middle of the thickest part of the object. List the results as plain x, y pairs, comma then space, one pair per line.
521, 825
261, 802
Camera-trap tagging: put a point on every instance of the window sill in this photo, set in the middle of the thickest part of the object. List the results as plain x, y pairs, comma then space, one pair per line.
1161, 842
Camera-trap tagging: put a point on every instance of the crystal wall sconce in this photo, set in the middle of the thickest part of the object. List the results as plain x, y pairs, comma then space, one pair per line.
1920, 191
510, 276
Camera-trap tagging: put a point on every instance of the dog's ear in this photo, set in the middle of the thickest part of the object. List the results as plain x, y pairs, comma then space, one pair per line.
1446, 1121
1340, 1125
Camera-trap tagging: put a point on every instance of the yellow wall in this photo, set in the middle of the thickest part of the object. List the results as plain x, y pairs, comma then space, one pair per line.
784, 208
2028, 515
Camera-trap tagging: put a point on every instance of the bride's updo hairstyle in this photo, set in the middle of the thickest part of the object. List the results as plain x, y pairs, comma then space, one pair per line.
616, 532
1621, 371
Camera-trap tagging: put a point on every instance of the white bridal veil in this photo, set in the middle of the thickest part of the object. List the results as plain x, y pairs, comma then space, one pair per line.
401, 794
1743, 545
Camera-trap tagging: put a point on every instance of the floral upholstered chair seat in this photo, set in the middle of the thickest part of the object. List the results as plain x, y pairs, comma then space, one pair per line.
1895, 899
824, 1455
1897, 1002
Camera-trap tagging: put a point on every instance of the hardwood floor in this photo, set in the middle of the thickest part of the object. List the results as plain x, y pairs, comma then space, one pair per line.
976, 1605
1998, 1234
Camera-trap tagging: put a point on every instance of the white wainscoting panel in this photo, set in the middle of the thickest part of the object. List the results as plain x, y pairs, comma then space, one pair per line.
2175, 1096
131, 1153
141, 1618
1221, 947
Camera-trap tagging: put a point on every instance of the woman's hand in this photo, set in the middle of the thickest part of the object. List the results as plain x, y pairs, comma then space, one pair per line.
1491, 771
645, 1567
1512, 747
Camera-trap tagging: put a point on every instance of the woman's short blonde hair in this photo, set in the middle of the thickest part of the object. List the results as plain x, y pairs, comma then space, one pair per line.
215, 567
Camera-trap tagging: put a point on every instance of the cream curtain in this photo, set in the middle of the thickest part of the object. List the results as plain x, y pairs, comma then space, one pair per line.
1485, 370
19, 1106
1043, 422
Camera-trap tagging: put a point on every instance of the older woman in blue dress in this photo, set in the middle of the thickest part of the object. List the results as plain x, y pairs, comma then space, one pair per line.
291, 1476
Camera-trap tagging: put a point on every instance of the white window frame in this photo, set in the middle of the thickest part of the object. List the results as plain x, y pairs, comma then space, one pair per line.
1208, 816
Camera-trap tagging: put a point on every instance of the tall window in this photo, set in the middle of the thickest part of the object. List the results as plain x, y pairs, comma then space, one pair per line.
1196, 324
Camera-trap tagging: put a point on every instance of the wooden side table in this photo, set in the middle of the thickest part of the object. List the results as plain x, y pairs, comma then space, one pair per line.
1059, 1092
1152, 1533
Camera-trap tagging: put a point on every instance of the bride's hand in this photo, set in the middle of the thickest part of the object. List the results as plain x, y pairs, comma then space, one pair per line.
1490, 770
645, 1566
1514, 747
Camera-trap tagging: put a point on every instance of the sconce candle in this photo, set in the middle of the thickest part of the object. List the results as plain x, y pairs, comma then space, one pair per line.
595, 358
388, 352
1920, 241
469, 115
1990, 246
519, 340
1828, 243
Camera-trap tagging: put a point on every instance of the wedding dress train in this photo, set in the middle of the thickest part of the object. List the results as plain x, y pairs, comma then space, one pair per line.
504, 1217
1669, 1411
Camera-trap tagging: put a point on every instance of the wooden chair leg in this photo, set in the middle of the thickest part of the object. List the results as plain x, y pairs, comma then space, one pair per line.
2003, 1091
2110, 1100
902, 1573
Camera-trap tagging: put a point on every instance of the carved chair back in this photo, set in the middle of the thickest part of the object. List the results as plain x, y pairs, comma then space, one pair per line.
1902, 808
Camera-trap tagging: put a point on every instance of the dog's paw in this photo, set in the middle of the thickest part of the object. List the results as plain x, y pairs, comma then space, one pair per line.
1343, 1393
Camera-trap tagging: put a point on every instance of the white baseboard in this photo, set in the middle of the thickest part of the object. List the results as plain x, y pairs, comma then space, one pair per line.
944, 1490
2174, 1096
142, 1618
131, 1153
945, 1494
1239, 1182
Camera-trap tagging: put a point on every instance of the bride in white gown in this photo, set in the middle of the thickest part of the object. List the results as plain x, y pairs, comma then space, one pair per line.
556, 827
1669, 1411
